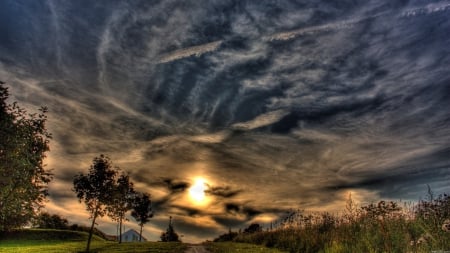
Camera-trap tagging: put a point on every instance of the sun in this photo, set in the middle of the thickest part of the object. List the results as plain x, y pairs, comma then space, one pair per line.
197, 190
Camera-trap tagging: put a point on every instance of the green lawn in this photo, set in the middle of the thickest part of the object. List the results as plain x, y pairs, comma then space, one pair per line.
61, 241
232, 247
96, 246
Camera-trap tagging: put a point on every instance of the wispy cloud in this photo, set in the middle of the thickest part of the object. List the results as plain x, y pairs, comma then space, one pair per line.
261, 120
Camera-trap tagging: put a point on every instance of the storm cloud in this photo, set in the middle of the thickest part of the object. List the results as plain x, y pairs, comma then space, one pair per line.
277, 105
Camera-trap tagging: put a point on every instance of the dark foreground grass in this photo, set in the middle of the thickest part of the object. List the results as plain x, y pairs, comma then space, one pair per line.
382, 227
230, 247
59, 241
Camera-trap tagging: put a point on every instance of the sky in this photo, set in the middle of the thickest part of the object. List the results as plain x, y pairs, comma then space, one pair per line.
234, 112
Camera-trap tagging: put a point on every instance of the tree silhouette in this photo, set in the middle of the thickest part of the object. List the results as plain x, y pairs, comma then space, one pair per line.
96, 189
121, 201
24, 141
253, 228
53, 221
142, 210
170, 235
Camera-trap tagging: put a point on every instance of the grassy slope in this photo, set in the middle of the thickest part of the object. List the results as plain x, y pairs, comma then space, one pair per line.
231, 247
33, 241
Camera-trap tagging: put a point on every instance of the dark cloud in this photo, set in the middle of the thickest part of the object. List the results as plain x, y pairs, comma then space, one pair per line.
176, 186
231, 207
401, 186
223, 192
189, 211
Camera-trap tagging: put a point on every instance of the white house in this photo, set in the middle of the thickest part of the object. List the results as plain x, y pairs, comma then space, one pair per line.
132, 236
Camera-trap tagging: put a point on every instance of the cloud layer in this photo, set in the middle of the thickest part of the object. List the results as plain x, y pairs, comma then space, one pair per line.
277, 105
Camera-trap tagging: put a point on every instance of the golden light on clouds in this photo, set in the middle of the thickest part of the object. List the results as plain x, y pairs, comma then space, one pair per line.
197, 191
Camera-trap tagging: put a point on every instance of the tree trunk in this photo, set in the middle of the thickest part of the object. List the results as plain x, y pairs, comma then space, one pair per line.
117, 232
91, 230
120, 230
140, 233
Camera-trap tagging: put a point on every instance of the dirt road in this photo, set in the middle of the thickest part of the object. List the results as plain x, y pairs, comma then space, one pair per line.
196, 249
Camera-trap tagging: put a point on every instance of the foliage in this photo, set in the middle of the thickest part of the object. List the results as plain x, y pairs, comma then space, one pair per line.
96, 189
142, 210
24, 141
253, 228
381, 227
170, 235
228, 237
434, 217
46, 220
122, 198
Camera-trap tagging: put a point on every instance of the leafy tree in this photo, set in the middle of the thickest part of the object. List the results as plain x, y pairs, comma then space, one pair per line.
253, 228
170, 235
46, 220
142, 210
24, 141
121, 202
96, 189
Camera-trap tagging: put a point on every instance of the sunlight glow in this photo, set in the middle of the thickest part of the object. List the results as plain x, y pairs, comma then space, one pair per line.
197, 190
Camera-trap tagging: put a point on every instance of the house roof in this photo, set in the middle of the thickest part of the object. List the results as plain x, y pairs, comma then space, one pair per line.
134, 232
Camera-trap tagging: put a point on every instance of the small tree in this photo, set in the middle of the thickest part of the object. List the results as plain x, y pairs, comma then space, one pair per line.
121, 202
142, 210
24, 142
170, 235
96, 189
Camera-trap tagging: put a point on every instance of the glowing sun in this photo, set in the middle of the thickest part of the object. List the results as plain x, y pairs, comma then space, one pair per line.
197, 190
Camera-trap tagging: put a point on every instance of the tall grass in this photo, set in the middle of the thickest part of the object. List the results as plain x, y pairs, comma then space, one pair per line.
381, 227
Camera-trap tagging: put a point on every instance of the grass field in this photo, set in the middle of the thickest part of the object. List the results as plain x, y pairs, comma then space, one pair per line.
232, 247
97, 246
54, 241
61, 241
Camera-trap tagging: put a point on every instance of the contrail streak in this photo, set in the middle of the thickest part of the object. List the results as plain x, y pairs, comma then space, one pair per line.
312, 29
190, 51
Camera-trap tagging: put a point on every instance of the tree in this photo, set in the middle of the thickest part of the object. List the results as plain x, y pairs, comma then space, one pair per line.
170, 235
142, 210
121, 202
253, 228
46, 220
96, 189
24, 142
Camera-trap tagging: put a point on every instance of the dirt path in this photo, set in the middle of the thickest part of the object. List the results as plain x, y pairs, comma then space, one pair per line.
196, 249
